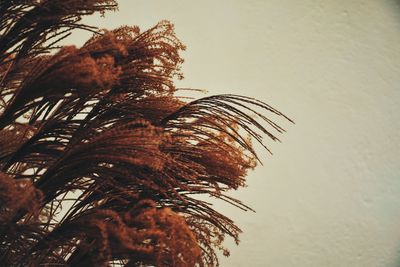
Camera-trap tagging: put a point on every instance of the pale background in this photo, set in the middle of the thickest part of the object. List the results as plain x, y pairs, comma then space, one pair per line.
330, 195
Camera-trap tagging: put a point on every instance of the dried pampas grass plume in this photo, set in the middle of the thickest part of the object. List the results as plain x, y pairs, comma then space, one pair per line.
100, 161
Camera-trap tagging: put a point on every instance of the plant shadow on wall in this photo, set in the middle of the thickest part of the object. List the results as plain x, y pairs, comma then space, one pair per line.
100, 161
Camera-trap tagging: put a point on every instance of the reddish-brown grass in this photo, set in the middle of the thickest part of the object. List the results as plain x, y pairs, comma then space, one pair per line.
100, 160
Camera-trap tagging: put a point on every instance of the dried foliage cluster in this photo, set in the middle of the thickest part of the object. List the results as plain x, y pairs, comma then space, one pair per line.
100, 160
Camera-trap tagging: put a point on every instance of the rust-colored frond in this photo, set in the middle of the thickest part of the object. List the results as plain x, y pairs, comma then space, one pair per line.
101, 163
33, 27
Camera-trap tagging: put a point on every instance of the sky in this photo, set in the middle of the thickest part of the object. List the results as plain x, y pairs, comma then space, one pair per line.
330, 193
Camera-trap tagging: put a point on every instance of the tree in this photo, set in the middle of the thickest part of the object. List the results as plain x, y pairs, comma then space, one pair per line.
100, 161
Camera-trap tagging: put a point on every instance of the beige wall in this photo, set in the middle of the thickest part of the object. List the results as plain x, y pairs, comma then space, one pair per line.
330, 195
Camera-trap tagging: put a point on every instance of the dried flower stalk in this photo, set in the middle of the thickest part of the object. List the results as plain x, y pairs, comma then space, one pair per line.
100, 160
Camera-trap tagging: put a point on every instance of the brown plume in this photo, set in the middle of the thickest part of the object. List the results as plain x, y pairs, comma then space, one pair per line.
101, 161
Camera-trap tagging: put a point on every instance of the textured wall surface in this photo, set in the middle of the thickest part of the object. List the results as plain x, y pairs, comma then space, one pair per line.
330, 194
